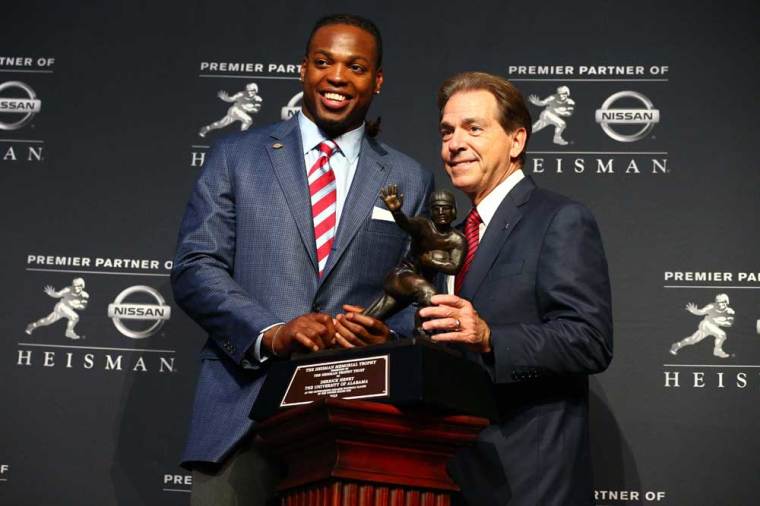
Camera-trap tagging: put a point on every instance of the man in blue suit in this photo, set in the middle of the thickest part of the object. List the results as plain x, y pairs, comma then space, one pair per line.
285, 227
532, 304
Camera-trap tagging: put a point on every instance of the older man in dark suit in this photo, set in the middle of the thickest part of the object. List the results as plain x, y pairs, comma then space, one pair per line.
284, 227
531, 303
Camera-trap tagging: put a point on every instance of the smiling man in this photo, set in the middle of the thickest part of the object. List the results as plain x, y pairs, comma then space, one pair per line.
339, 81
531, 304
277, 237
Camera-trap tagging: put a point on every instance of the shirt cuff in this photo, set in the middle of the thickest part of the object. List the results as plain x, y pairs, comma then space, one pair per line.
257, 354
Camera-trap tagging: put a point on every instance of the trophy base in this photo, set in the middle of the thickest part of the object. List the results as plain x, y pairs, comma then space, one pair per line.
409, 372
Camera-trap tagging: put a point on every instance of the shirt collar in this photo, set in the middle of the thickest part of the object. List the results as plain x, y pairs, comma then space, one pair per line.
349, 143
490, 203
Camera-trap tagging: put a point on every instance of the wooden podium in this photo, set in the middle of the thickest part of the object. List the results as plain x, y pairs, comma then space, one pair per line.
358, 453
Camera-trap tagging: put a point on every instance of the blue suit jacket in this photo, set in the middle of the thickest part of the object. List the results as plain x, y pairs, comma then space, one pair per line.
539, 279
246, 259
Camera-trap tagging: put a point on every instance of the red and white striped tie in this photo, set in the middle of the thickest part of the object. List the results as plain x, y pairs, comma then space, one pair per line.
472, 234
323, 199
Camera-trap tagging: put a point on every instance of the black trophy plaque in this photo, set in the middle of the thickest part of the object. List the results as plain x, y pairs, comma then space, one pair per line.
408, 372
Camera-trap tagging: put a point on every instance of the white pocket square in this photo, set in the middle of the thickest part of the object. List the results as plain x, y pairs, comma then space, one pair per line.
378, 213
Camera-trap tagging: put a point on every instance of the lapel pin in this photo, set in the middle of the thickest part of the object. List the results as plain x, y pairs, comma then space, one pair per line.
277, 145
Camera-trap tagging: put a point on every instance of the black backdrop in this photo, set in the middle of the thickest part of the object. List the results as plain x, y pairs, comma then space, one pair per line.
94, 184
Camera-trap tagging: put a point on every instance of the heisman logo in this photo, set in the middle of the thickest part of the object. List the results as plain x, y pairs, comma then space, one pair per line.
157, 313
716, 315
556, 107
292, 108
243, 102
646, 116
28, 106
73, 298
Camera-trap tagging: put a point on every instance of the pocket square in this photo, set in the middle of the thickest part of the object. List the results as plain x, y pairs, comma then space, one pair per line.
378, 213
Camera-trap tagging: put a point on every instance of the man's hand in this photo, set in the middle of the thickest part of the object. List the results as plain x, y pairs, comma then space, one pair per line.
312, 332
50, 291
355, 329
392, 198
458, 322
692, 308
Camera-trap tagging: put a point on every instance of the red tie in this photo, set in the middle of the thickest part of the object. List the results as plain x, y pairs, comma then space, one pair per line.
472, 234
322, 190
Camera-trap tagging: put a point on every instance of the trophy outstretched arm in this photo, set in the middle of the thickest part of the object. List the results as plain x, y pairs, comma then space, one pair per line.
393, 201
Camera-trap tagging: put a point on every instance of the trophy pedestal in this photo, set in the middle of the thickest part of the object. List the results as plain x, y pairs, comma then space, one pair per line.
351, 453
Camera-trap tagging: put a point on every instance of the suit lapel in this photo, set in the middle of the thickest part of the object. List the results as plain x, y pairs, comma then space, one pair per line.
286, 153
371, 174
506, 218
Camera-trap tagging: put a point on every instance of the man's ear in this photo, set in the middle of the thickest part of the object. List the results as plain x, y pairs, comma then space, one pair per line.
519, 137
378, 81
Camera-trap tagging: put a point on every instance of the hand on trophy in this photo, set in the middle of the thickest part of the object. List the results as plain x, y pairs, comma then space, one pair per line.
355, 329
310, 332
455, 320
392, 198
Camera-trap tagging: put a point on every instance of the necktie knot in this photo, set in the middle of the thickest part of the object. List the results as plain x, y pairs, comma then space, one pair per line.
327, 148
473, 218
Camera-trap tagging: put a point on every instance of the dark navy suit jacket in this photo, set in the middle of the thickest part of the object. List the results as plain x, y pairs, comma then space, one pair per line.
246, 259
540, 281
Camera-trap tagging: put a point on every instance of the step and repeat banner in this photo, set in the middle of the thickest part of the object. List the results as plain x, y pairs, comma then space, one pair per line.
645, 111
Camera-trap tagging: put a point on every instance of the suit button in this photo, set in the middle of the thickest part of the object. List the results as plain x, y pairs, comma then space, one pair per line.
316, 308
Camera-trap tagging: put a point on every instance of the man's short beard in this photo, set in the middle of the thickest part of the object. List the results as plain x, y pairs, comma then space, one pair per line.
332, 128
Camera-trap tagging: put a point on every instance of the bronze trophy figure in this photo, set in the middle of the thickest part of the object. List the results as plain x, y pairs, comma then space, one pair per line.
436, 247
